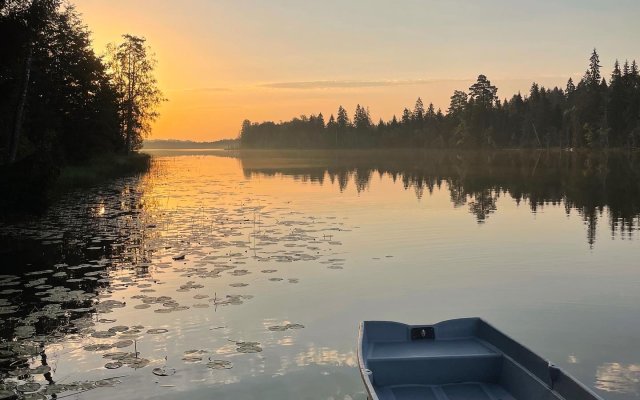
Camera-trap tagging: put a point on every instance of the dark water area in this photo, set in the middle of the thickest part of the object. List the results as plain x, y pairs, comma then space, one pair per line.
244, 274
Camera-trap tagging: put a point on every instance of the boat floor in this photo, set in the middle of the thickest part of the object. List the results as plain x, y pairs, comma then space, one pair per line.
463, 391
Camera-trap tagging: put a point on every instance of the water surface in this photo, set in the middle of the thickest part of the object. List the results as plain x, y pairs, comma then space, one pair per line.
244, 275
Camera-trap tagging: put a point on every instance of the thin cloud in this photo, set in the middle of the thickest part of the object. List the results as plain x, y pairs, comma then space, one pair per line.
345, 84
205, 89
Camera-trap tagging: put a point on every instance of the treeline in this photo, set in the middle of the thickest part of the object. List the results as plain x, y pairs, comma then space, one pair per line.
190, 144
594, 113
60, 102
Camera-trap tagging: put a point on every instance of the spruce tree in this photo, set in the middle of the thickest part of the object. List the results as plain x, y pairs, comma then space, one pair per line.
343, 119
570, 87
418, 111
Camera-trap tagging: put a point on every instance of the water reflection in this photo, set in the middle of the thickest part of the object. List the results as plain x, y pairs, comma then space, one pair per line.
586, 182
620, 378
250, 286
115, 277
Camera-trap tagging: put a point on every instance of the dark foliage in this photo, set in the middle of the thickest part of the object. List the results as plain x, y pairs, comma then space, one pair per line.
59, 102
591, 114
69, 105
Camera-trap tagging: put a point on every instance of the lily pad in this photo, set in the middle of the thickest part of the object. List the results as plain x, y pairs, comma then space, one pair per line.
248, 347
191, 358
123, 343
98, 347
113, 365
42, 369
164, 371
220, 364
157, 331
29, 387
103, 334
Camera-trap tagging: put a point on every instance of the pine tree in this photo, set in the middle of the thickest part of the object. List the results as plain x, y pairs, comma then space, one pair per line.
343, 119
592, 76
458, 103
406, 116
320, 120
418, 111
570, 87
431, 111
483, 92
616, 74
332, 122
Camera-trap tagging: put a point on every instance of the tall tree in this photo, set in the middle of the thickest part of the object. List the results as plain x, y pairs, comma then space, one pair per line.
571, 87
483, 92
418, 111
30, 18
458, 103
132, 67
592, 76
342, 119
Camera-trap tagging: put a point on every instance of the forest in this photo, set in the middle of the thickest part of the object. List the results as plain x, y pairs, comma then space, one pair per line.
62, 104
593, 113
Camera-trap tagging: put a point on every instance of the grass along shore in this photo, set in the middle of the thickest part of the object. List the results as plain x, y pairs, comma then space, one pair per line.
101, 169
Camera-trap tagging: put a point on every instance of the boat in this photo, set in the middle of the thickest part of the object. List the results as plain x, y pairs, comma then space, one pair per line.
458, 359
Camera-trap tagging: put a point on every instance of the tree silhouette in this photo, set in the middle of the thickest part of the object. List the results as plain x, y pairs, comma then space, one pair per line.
590, 114
131, 67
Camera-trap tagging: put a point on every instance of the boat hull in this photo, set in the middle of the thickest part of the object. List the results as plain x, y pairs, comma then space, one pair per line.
461, 359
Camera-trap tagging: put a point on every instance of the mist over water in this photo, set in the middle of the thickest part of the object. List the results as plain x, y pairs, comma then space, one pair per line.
244, 274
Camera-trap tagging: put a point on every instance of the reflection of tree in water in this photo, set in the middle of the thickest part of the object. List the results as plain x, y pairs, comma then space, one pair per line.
588, 183
483, 204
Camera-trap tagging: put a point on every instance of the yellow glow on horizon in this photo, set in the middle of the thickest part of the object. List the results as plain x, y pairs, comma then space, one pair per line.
217, 60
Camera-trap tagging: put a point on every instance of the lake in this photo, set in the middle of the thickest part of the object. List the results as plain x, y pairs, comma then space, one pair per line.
244, 275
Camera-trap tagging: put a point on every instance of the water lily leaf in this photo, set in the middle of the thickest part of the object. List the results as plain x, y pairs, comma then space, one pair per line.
123, 343
248, 347
98, 347
28, 387
103, 334
137, 362
113, 365
156, 331
42, 369
220, 364
164, 371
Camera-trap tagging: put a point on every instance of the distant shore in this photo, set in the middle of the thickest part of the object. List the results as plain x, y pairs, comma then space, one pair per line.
226, 144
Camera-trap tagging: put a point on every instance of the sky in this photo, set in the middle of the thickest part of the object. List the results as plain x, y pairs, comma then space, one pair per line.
220, 62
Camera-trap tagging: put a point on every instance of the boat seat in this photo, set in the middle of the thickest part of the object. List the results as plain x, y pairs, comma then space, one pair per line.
433, 362
429, 348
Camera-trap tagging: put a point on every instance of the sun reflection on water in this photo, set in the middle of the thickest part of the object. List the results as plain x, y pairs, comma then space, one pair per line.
618, 377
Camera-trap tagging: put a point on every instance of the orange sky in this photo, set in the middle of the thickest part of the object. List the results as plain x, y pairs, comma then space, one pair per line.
223, 61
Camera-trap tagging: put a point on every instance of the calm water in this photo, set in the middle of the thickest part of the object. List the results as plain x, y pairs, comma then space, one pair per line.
244, 276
